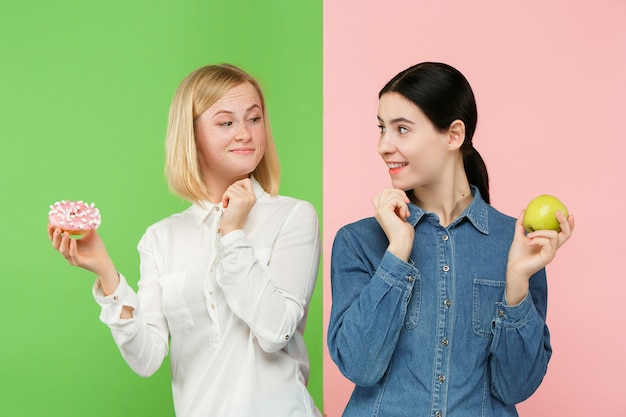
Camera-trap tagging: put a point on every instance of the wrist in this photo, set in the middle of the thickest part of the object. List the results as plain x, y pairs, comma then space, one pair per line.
226, 229
109, 280
517, 286
401, 250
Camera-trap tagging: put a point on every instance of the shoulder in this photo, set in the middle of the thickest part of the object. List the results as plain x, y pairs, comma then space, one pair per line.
362, 231
496, 215
173, 219
284, 206
361, 226
499, 222
177, 221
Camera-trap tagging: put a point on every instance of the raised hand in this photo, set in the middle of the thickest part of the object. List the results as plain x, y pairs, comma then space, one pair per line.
531, 252
237, 201
392, 210
88, 253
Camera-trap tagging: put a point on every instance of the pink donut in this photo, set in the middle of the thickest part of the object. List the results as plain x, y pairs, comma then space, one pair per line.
74, 217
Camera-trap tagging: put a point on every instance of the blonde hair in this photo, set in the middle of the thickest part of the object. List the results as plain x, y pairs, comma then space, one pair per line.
197, 92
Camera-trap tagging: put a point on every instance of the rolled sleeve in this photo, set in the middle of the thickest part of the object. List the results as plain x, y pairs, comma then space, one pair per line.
111, 305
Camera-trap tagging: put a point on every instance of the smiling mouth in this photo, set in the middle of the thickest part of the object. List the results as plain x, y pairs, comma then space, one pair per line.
395, 165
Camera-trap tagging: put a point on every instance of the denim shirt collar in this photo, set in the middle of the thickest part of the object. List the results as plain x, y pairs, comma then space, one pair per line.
476, 213
206, 208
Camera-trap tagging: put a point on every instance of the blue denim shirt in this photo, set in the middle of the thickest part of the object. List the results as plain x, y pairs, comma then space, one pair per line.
434, 336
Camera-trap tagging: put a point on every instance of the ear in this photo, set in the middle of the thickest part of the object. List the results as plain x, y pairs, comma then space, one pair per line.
456, 134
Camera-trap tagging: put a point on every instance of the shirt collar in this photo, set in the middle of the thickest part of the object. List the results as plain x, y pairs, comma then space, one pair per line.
201, 211
476, 213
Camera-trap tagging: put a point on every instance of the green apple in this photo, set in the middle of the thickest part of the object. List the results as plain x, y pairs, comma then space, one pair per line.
541, 213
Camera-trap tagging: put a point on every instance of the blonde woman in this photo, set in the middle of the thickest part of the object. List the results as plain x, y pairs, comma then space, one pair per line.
225, 285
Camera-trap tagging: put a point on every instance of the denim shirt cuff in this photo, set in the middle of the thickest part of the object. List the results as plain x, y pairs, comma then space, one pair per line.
397, 272
517, 315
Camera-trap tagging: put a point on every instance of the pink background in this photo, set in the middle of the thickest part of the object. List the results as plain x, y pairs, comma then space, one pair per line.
550, 82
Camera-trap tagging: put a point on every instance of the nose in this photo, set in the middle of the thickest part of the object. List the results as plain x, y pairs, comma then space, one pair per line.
385, 144
243, 133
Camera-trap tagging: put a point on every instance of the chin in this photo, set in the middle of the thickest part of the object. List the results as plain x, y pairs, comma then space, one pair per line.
402, 185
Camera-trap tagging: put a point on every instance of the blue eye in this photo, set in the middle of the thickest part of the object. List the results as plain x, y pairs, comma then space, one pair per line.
255, 119
402, 130
382, 128
226, 124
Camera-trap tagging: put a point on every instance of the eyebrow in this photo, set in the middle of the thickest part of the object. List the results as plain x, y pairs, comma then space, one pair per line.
397, 120
230, 112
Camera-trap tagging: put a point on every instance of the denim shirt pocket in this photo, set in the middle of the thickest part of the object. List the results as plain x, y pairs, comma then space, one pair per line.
486, 294
174, 306
413, 309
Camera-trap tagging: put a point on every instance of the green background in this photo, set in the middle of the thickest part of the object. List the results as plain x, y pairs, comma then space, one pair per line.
85, 89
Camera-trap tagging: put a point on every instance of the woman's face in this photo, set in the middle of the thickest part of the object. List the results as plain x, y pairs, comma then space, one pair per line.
230, 135
415, 152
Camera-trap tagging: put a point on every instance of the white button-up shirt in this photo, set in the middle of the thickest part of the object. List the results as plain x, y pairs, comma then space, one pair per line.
233, 309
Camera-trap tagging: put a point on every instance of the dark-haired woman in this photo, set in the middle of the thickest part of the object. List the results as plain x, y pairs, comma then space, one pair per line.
439, 301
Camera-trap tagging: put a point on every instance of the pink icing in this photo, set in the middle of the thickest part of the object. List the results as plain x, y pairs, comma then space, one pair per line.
74, 216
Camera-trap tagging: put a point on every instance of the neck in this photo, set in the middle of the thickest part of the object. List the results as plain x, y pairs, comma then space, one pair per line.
446, 199
216, 187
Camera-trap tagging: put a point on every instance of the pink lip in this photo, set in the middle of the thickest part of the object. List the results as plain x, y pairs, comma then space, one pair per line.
242, 151
395, 170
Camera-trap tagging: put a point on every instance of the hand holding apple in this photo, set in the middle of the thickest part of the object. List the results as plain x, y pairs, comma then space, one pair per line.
533, 251
541, 213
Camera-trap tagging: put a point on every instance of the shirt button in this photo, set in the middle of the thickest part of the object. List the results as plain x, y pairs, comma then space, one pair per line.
445, 342
447, 303
445, 268
286, 337
217, 208
501, 314
438, 414
442, 378
444, 237
410, 278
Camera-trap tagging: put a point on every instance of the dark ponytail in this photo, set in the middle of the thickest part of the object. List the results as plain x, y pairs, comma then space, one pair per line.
476, 172
444, 95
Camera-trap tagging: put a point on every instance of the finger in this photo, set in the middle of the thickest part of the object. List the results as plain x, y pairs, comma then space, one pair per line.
405, 197
520, 230
545, 234
405, 212
225, 199
73, 249
246, 184
567, 227
376, 201
396, 192
563, 223
234, 191
56, 238
64, 246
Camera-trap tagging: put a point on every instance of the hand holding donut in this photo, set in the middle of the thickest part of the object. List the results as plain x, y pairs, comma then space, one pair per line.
392, 210
68, 219
237, 201
88, 253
